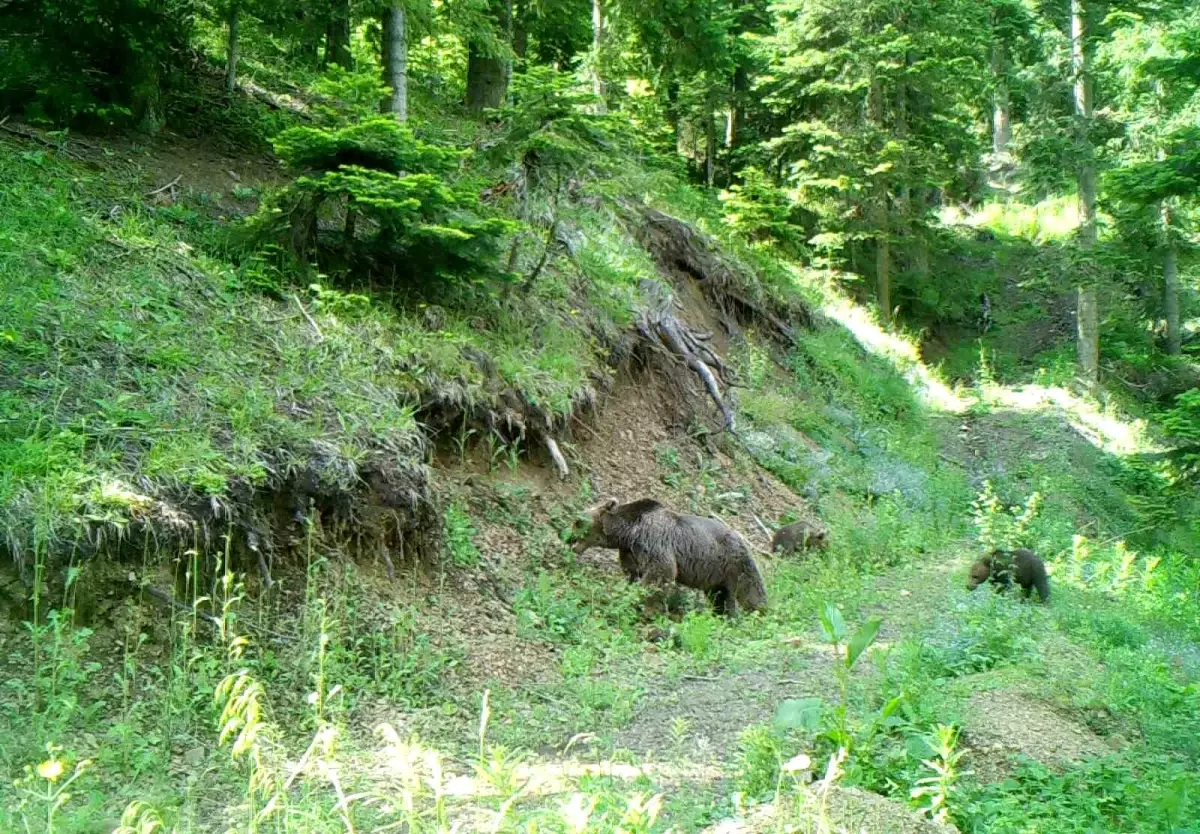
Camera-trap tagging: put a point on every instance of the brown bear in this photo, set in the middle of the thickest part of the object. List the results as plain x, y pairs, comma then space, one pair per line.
658, 546
799, 538
1001, 567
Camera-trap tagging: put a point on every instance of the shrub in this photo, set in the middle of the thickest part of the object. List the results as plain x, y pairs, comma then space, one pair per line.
763, 212
372, 197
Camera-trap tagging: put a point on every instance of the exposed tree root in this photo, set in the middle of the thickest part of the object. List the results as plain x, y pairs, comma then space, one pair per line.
659, 325
682, 252
560, 463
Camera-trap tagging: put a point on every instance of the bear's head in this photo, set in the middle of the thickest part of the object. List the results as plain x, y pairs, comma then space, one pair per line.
979, 573
589, 529
818, 538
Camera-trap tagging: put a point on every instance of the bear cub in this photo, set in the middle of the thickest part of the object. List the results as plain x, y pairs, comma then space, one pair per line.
1002, 567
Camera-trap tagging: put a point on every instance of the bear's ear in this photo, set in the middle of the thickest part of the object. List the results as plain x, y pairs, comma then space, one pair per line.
602, 508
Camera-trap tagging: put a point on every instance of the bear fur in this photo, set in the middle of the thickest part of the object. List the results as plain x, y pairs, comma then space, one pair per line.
1002, 567
658, 546
799, 538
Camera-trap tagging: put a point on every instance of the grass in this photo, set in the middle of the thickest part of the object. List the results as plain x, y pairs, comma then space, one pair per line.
138, 371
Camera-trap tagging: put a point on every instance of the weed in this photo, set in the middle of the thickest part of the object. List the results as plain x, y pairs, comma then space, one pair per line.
759, 761
933, 792
460, 537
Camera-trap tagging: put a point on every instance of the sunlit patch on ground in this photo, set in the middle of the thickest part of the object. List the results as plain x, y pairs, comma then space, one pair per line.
1102, 428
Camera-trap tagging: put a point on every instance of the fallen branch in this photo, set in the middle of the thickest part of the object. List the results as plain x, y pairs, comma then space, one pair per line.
316, 328
579, 422
387, 559
263, 569
274, 101
761, 526
560, 463
26, 133
171, 602
171, 185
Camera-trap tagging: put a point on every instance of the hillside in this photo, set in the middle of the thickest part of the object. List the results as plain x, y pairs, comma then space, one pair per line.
297, 556
334, 334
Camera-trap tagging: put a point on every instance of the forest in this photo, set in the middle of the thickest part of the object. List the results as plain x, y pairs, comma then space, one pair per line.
381, 381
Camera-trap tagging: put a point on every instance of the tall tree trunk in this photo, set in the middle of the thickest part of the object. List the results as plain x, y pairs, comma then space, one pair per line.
307, 47
487, 80
146, 92
488, 74
233, 48
520, 43
598, 44
395, 60
883, 280
337, 36
1001, 104
673, 112
1171, 282
710, 148
1087, 312
1001, 116
737, 113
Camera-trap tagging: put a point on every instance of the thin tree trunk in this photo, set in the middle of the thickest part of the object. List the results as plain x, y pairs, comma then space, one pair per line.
1001, 104
883, 281
1087, 313
146, 93
710, 148
395, 61
904, 226
337, 36
597, 45
520, 30
737, 113
233, 48
1171, 283
1001, 162
507, 21
673, 113
308, 45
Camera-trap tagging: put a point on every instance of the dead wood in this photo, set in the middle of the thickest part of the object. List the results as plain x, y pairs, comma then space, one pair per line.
275, 102
560, 463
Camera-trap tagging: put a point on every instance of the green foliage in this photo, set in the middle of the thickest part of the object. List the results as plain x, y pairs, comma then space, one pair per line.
933, 793
759, 757
552, 129
1182, 423
460, 537
1000, 527
399, 218
1135, 793
93, 62
763, 213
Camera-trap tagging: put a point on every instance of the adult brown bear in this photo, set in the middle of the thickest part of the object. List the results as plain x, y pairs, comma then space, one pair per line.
658, 546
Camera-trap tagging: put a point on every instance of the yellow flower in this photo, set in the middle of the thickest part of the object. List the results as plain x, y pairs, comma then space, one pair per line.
50, 770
